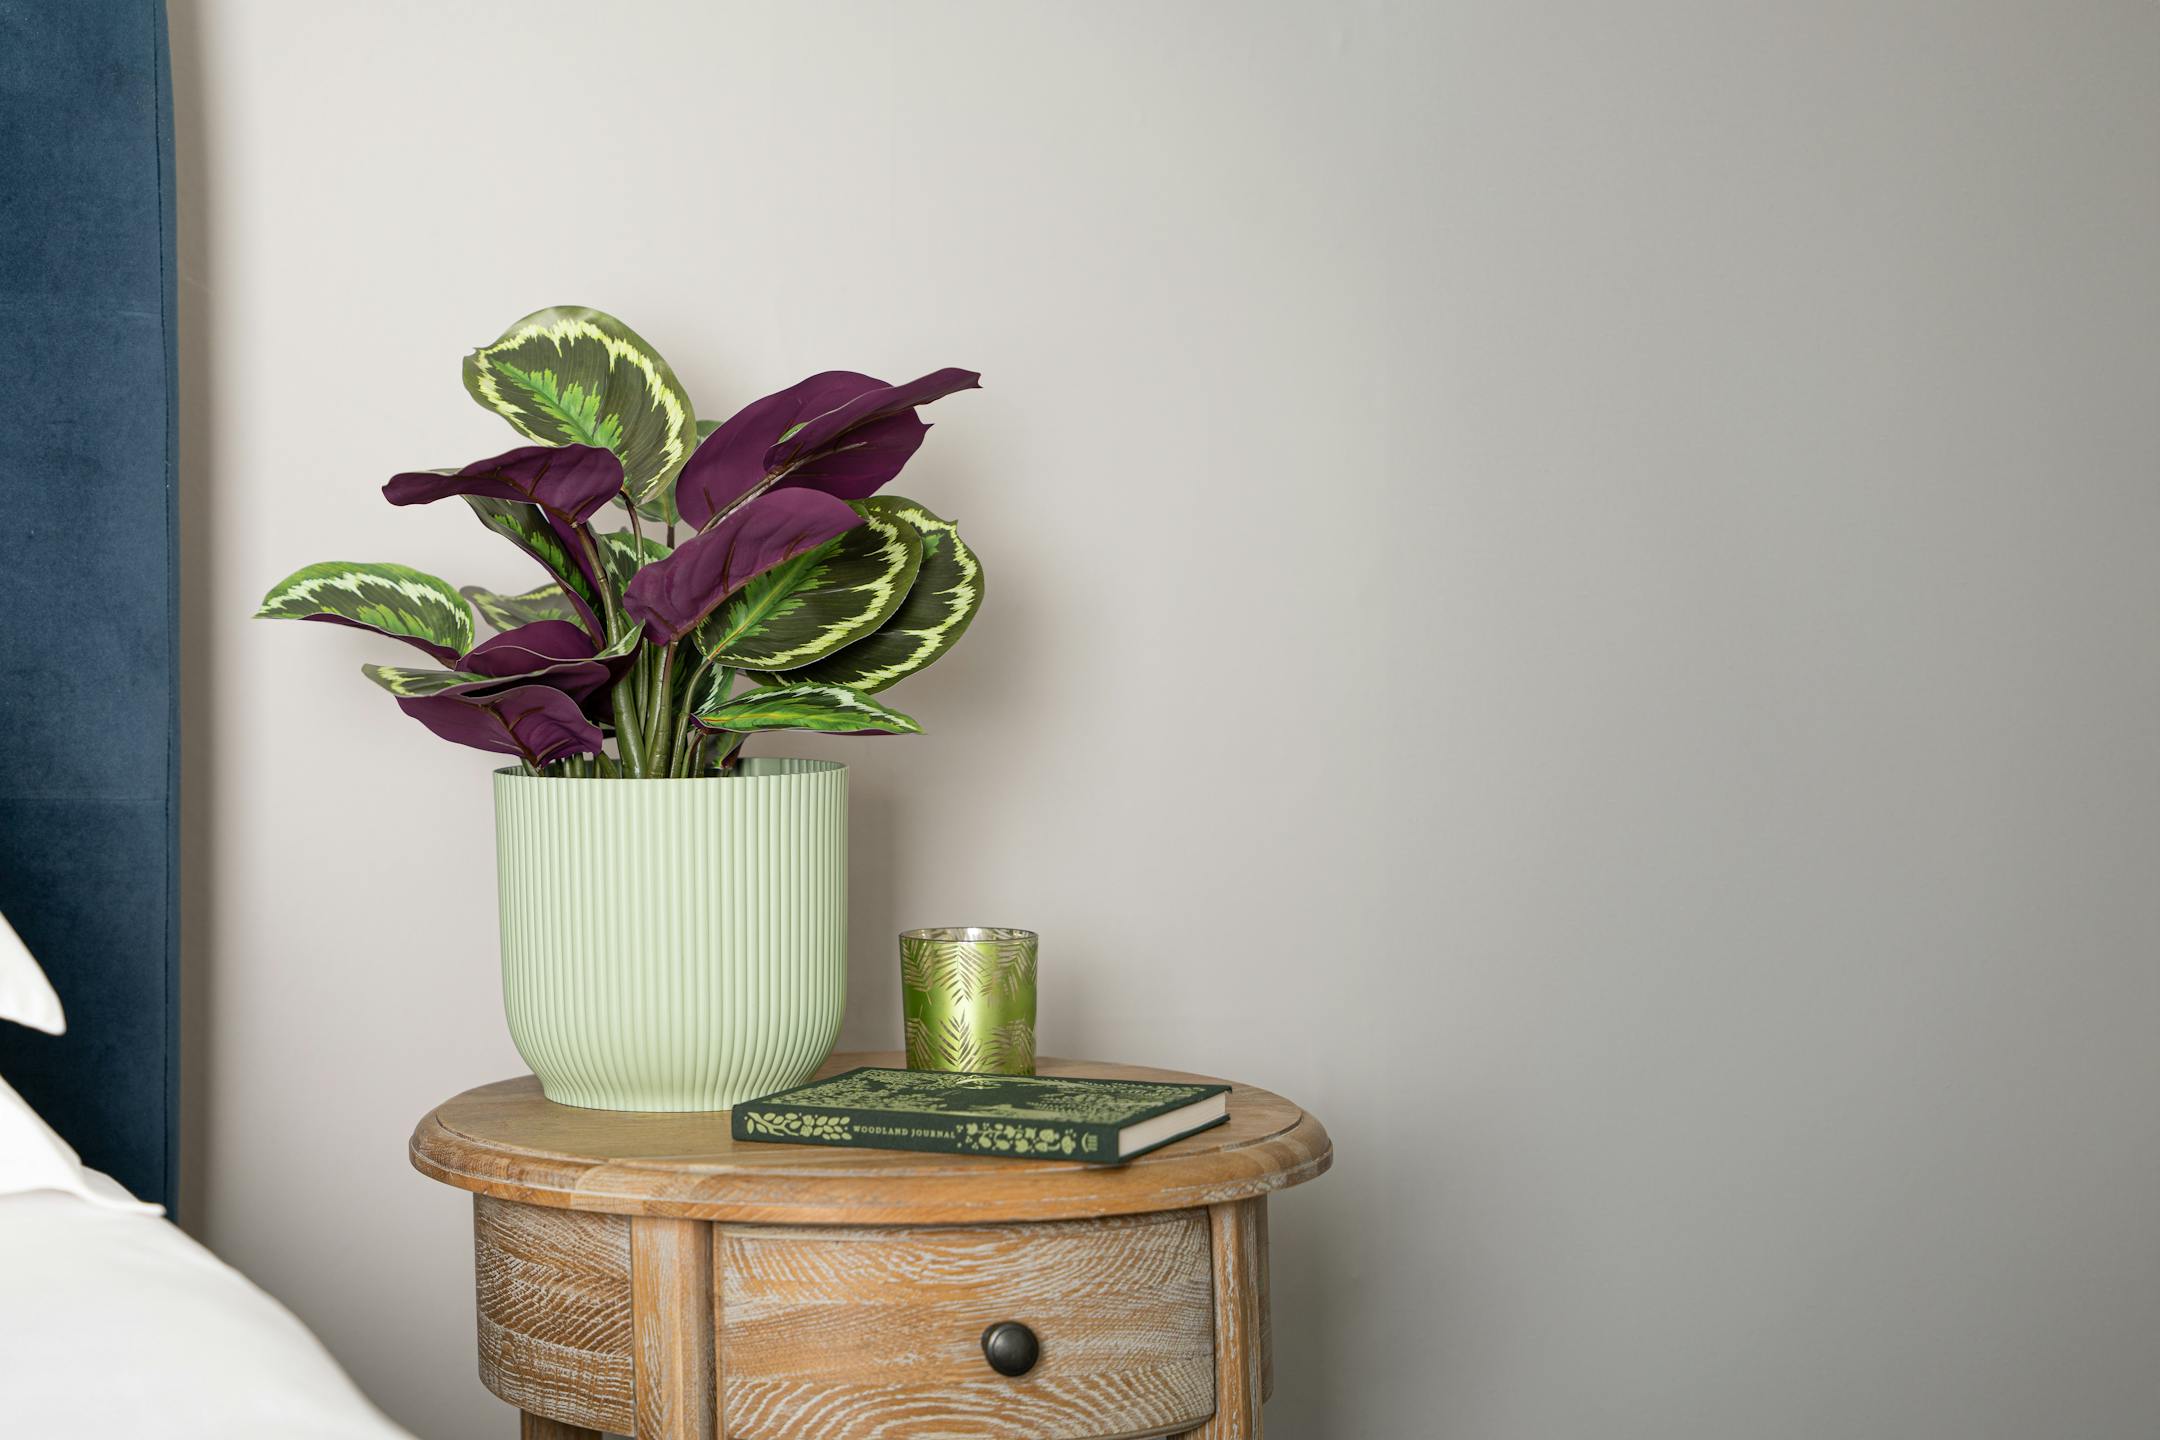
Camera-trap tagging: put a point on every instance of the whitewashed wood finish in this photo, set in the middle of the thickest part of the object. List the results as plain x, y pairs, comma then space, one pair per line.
1235, 1231
508, 1141
842, 1294
875, 1333
1267, 1301
553, 1289
671, 1305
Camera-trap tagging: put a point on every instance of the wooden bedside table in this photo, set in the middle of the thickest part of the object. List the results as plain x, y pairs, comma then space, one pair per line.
645, 1274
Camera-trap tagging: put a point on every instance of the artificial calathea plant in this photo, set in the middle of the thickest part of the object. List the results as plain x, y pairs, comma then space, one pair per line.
755, 549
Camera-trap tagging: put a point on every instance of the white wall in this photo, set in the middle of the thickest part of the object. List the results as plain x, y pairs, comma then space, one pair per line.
1570, 585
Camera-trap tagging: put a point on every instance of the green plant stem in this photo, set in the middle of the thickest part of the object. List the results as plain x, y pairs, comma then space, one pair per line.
643, 664
628, 739
683, 723
639, 660
658, 729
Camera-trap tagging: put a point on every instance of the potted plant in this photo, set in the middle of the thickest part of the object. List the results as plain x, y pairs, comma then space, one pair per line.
677, 945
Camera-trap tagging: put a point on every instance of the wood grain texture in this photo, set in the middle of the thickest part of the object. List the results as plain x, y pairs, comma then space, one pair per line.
876, 1333
507, 1141
671, 1319
635, 1271
1235, 1236
1267, 1300
716, 1236
553, 1290
539, 1427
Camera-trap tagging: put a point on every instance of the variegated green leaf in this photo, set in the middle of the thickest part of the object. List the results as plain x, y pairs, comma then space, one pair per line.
625, 554
507, 612
806, 608
573, 376
526, 526
829, 708
948, 590
712, 682
393, 600
408, 683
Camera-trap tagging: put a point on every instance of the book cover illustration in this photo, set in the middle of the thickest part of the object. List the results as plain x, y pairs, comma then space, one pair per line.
1047, 1117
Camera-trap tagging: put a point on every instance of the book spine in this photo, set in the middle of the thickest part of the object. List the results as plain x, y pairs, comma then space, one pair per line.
938, 1134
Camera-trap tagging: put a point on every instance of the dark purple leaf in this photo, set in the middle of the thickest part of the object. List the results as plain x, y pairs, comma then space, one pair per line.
671, 596
831, 428
554, 653
529, 648
550, 652
533, 722
731, 461
570, 482
863, 461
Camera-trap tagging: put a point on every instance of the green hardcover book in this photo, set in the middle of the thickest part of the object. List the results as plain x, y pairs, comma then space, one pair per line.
1039, 1117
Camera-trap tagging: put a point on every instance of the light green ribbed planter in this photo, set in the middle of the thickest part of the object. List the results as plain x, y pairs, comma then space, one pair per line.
674, 944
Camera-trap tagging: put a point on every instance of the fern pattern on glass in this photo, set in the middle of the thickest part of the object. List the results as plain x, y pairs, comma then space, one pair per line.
968, 1000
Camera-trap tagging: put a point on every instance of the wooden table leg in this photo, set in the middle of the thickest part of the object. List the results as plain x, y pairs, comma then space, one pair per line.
1236, 1236
1267, 1303
671, 1329
539, 1427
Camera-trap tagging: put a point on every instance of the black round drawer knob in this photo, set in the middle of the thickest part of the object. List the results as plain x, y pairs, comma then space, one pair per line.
1011, 1348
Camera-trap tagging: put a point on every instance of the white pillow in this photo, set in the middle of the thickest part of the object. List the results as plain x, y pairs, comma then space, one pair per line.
26, 996
202, 1354
34, 1157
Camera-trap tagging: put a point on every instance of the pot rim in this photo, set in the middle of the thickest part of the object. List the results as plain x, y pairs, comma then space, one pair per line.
799, 766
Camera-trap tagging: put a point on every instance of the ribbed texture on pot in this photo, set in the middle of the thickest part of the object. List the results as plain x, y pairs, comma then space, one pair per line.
674, 944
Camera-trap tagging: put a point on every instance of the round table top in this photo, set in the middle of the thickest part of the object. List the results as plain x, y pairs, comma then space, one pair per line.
508, 1141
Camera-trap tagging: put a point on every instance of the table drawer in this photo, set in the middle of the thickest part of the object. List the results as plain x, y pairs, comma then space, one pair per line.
876, 1334
554, 1303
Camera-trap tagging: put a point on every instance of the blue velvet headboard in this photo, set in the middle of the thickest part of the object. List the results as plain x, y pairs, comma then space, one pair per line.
89, 654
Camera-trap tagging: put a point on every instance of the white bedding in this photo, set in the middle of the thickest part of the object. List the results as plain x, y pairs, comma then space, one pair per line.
115, 1324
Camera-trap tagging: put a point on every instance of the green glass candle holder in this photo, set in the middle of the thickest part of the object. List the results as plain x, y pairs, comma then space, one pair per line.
968, 995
